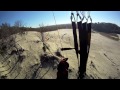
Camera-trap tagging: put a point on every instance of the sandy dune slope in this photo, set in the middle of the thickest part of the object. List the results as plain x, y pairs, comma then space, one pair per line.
103, 61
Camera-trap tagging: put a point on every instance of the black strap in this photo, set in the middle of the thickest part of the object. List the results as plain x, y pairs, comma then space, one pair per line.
83, 38
62, 49
89, 36
75, 37
79, 28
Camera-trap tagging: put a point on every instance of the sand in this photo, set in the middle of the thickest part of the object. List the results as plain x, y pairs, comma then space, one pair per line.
103, 60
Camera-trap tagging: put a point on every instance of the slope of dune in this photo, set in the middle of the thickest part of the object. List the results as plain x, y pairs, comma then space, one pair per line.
33, 63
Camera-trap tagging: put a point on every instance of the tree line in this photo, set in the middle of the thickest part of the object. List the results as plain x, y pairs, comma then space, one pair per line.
106, 27
18, 27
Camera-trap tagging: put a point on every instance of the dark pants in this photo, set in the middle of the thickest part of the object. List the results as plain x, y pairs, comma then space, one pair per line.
62, 70
62, 75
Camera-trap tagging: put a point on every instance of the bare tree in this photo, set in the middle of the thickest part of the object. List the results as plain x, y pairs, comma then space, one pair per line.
18, 23
19, 26
43, 28
5, 30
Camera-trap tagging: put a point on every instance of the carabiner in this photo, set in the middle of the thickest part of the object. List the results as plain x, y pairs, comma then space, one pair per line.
78, 15
84, 17
72, 16
89, 16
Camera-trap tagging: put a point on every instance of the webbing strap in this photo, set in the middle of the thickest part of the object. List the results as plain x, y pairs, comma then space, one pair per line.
89, 36
75, 37
83, 47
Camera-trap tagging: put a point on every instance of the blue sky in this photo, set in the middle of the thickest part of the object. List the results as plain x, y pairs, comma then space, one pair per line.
34, 18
